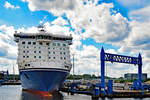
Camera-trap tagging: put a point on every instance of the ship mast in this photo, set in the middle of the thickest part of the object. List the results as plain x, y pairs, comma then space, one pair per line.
41, 28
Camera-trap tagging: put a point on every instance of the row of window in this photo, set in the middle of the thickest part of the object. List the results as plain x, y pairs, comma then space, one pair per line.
48, 52
48, 48
41, 57
54, 48
41, 43
60, 58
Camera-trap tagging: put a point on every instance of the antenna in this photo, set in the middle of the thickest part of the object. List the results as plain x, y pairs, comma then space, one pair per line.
73, 67
13, 73
41, 28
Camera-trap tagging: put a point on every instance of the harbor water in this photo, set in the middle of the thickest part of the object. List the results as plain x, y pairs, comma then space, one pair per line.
15, 92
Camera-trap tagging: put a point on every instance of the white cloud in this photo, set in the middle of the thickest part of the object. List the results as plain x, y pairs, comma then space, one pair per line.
139, 37
141, 15
86, 60
57, 29
99, 23
8, 48
95, 19
55, 6
29, 30
59, 21
138, 40
8, 5
8, 64
6, 40
135, 4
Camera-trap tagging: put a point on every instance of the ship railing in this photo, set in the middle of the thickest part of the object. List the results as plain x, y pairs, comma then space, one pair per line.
43, 40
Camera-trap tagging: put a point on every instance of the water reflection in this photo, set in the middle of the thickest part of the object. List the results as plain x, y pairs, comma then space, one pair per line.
30, 96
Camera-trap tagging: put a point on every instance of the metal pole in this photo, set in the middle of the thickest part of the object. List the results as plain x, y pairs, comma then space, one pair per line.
102, 70
13, 74
73, 67
140, 68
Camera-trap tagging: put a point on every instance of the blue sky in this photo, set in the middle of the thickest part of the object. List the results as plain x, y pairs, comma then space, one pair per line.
112, 24
22, 16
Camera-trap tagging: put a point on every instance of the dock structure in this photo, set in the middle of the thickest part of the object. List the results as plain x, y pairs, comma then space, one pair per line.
95, 93
137, 90
4, 75
120, 59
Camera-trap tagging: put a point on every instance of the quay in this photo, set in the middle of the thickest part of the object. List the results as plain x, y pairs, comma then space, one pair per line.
94, 93
11, 83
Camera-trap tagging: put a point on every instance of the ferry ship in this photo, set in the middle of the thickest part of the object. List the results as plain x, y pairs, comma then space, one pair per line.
43, 59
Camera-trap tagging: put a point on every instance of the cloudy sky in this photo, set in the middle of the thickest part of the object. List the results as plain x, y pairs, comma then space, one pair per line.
120, 26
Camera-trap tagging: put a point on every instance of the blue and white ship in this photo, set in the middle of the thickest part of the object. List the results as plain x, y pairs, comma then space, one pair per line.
43, 59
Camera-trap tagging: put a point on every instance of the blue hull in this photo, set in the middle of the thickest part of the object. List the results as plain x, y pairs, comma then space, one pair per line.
42, 79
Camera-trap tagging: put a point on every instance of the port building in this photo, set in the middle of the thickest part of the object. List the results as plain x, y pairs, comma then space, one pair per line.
133, 76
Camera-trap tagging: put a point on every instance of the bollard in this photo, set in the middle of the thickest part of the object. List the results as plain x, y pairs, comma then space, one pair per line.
96, 92
110, 87
72, 90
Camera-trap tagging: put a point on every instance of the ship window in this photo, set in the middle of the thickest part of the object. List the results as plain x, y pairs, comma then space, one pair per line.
63, 48
60, 48
64, 45
27, 56
25, 64
34, 43
49, 52
53, 48
66, 66
34, 51
60, 52
34, 56
39, 51
23, 46
54, 44
34, 46
39, 37
27, 51
39, 56
27, 47
23, 42
54, 57
47, 43
40, 43
49, 57
48, 47
28, 64
23, 51
23, 56
64, 53
53, 52
61, 58
64, 58
29, 42
58, 44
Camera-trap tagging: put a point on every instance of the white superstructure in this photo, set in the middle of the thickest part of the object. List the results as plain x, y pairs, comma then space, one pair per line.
43, 50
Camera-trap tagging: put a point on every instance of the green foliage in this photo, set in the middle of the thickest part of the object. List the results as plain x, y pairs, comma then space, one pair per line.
121, 80
12, 77
148, 79
85, 76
